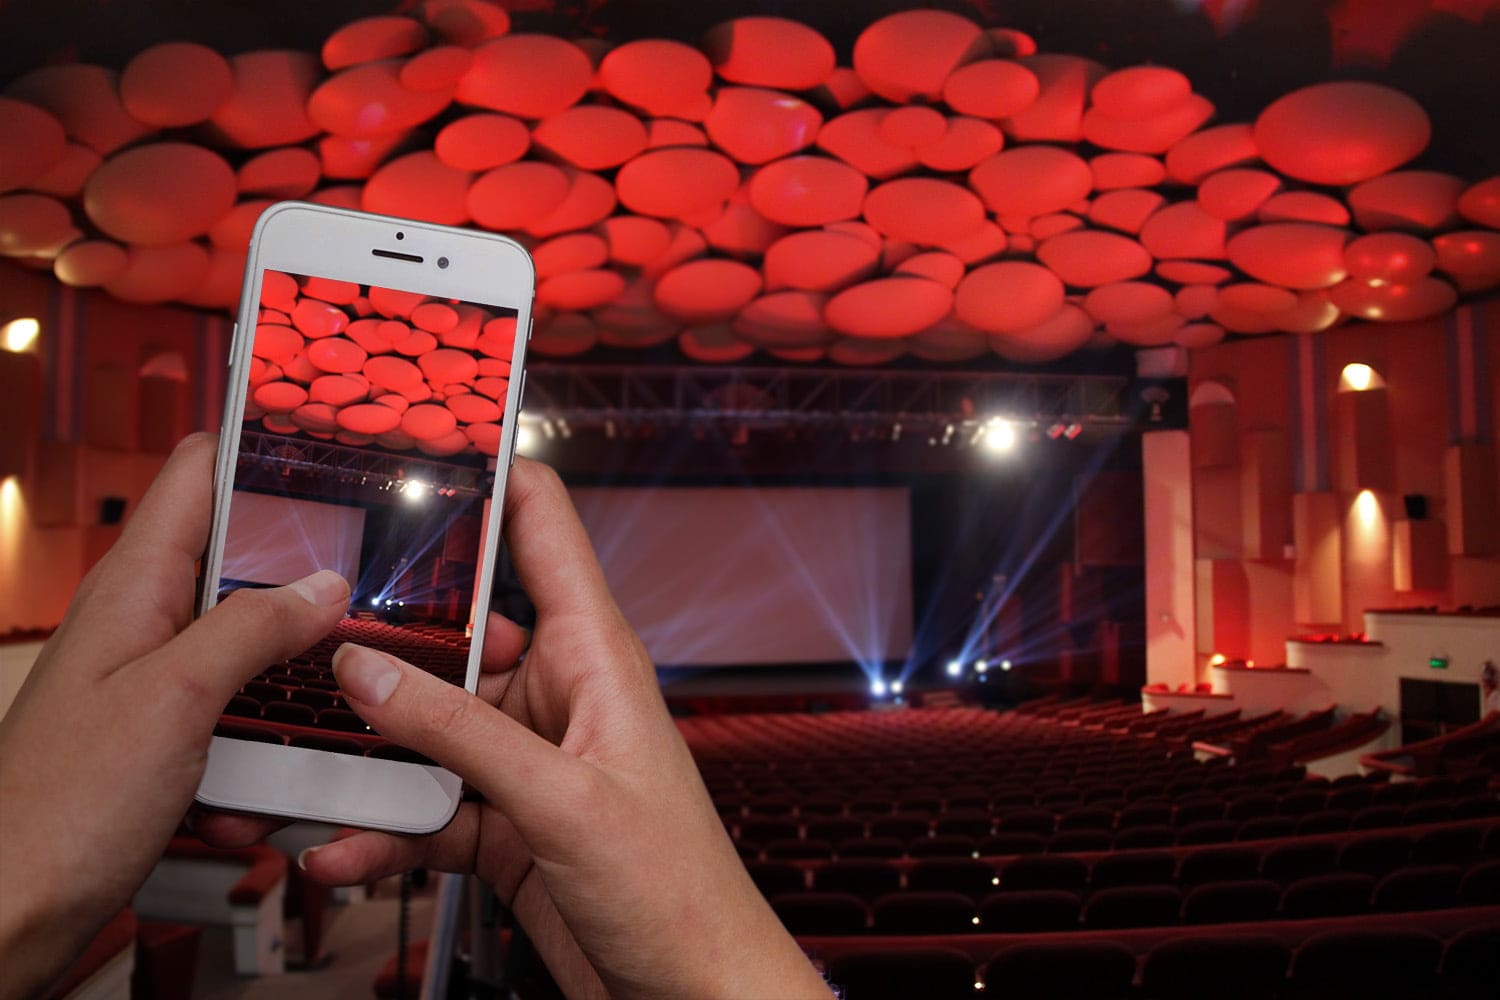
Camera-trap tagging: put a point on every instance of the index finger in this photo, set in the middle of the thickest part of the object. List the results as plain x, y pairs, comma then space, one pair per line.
552, 553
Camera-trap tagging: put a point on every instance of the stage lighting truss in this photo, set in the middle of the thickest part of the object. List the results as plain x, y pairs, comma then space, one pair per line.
376, 470
942, 407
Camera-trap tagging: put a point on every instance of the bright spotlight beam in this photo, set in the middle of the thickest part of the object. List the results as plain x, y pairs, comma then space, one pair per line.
955, 668
999, 436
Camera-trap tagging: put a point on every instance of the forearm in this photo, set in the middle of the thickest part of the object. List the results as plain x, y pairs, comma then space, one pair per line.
37, 939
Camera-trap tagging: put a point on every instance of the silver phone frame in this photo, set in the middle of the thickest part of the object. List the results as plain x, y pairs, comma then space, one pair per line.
319, 240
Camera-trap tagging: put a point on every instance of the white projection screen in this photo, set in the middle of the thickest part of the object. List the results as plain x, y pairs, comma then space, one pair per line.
275, 540
758, 575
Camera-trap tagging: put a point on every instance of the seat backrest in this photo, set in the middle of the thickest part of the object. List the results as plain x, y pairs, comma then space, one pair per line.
1375, 854
912, 912
1044, 872
1363, 963
868, 879
903, 973
1133, 906
1031, 911
1230, 902
1227, 967
1471, 964
1418, 887
969, 876
821, 912
1218, 864
1133, 868
1337, 894
1044, 971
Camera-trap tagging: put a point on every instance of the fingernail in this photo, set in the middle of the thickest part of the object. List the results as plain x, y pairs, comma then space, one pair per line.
303, 855
322, 588
365, 676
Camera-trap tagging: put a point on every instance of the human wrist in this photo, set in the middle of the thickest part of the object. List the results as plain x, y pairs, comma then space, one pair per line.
38, 937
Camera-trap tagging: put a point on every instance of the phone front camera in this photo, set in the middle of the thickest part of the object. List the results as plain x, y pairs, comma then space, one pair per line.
442, 262
400, 236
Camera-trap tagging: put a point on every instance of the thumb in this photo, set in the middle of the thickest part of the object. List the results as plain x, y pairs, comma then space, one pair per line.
241, 636
533, 782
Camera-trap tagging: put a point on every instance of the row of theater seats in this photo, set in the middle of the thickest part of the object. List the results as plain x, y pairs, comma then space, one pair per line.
1341, 964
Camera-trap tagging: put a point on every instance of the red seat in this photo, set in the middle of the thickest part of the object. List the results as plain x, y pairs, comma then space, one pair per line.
289, 713
942, 846
1471, 965
342, 720
870, 847
1218, 864
1339, 894
1029, 911
970, 877
1418, 887
1045, 872
1358, 964
935, 973
1286, 863
821, 912
923, 913
773, 878
1238, 967
1481, 886
868, 879
1132, 906
1231, 902
1036, 971
1134, 868
1377, 854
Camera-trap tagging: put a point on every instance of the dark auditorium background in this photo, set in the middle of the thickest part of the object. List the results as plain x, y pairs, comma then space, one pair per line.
1047, 446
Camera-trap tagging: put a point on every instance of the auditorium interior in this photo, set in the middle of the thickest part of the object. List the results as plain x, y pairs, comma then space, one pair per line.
1047, 447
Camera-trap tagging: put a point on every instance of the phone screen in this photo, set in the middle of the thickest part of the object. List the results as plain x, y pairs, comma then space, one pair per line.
368, 443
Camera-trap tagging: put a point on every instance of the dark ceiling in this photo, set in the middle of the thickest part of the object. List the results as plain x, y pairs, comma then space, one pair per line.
1241, 54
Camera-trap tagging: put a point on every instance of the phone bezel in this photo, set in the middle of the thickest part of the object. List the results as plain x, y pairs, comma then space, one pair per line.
483, 268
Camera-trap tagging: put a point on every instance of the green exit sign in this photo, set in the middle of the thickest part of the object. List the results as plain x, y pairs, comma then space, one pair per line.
1438, 662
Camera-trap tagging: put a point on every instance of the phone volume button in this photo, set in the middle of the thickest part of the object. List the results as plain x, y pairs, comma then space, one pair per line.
234, 338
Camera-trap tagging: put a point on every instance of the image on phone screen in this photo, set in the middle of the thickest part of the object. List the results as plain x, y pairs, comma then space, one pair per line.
368, 441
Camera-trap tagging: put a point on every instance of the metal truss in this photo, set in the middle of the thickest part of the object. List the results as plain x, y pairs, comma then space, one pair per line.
584, 395
365, 466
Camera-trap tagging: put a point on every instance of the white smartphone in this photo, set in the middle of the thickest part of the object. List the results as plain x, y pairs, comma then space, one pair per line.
369, 423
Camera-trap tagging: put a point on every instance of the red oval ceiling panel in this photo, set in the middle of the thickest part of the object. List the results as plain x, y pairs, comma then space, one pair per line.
529, 76
635, 241
923, 210
911, 53
807, 191
1341, 133
336, 355
1313, 313
1195, 335
589, 200
1156, 332
1184, 230
393, 303
388, 372
1125, 170
438, 68
337, 390
1068, 329
1031, 181
492, 386
819, 261
1156, 134
1481, 203
428, 422
415, 344
465, 22
1417, 200
1393, 257
1256, 297
1189, 272
769, 52
368, 418
950, 340
175, 84
784, 320
279, 292
565, 335
888, 307
1294, 254
580, 290
268, 106
368, 100
481, 141
591, 137
673, 183
1044, 227
34, 225
219, 288
739, 230
863, 352
67, 175
318, 419
1125, 209
1057, 113
1195, 301
449, 367
991, 88
855, 137
370, 38
318, 319
1085, 258
90, 262
161, 273
1141, 92
280, 173
703, 291
276, 344
435, 317
83, 99
756, 126
1303, 206
573, 252
1126, 303
1386, 302
913, 127
35, 142
517, 194
661, 132
1008, 297
659, 76
1471, 257
420, 186
279, 397
713, 344
963, 145
161, 193
937, 265
1235, 194
472, 408
498, 339
1211, 150
328, 290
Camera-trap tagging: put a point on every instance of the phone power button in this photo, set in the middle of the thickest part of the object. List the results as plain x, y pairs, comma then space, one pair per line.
516, 434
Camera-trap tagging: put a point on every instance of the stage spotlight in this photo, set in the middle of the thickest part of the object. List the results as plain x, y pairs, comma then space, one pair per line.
897, 687
415, 491
1216, 659
999, 435
20, 335
374, 602
1357, 377
955, 668
877, 688
1006, 665
981, 666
